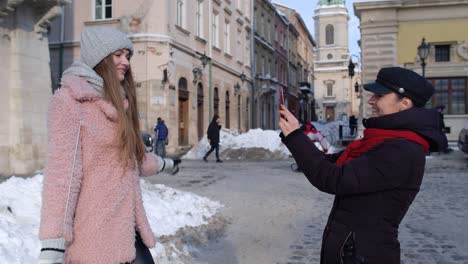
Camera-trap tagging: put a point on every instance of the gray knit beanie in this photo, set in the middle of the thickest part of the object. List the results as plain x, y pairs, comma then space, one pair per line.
98, 42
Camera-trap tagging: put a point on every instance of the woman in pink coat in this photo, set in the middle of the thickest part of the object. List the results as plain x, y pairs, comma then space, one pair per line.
92, 209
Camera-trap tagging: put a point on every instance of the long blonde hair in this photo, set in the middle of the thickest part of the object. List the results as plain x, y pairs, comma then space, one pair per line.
128, 132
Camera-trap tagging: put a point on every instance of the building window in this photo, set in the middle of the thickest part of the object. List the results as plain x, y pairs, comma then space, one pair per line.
268, 29
199, 19
247, 48
215, 28
329, 89
451, 93
239, 45
329, 35
102, 9
227, 37
180, 13
442, 53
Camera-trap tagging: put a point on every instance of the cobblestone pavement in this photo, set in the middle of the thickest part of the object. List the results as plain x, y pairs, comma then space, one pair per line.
277, 217
433, 231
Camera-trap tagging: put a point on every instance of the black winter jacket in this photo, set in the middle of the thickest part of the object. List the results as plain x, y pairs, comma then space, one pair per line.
373, 191
213, 131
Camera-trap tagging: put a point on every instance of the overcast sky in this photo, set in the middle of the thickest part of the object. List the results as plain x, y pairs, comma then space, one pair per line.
306, 9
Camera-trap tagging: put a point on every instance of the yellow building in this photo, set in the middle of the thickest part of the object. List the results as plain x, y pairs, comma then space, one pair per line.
391, 32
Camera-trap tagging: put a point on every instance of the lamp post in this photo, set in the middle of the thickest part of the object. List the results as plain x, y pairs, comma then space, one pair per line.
423, 52
207, 60
243, 77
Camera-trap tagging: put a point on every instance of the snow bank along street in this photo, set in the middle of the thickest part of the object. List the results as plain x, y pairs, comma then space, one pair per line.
173, 216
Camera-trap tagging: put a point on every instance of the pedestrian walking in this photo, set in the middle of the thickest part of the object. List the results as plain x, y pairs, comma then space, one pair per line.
92, 208
161, 133
375, 179
213, 137
353, 124
440, 109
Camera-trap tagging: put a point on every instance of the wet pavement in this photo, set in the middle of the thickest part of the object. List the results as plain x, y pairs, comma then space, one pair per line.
276, 216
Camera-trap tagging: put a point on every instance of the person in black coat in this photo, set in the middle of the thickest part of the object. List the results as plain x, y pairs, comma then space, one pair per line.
213, 137
375, 179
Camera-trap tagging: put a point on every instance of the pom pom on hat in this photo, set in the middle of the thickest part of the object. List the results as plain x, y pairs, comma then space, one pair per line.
98, 42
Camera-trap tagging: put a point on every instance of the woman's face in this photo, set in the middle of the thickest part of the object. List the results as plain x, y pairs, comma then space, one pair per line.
121, 62
385, 104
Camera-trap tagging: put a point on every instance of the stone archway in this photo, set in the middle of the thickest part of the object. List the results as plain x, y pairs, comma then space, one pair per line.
183, 112
215, 102
239, 112
227, 111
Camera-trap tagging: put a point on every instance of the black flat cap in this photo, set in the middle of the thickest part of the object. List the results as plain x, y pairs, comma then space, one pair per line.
404, 82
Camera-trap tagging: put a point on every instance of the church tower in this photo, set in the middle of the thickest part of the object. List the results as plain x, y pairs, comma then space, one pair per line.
333, 87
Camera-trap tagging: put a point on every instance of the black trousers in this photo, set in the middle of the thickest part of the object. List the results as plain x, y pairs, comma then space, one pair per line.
143, 255
214, 146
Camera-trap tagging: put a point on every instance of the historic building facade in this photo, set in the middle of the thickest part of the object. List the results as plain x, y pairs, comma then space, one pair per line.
304, 66
26, 83
264, 59
334, 89
192, 59
391, 32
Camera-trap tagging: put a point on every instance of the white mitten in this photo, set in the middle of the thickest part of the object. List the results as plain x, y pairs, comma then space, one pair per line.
170, 166
52, 251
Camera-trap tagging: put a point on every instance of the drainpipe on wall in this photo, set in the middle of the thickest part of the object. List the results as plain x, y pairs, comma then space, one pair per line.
252, 62
210, 53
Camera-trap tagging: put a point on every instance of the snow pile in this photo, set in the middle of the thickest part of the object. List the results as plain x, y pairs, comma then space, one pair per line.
262, 144
168, 211
254, 139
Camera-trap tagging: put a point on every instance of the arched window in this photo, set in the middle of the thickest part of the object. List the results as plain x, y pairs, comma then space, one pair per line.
200, 113
329, 89
216, 101
228, 110
239, 112
329, 35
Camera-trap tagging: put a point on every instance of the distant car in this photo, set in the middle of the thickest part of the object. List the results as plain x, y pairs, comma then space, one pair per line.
463, 139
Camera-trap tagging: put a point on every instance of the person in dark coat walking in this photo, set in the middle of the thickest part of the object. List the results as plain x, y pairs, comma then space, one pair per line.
213, 137
440, 109
353, 124
375, 179
161, 132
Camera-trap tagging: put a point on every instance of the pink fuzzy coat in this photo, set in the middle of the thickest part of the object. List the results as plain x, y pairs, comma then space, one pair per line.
89, 198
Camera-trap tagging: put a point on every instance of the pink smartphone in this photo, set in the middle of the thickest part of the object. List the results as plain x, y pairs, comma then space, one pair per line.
281, 100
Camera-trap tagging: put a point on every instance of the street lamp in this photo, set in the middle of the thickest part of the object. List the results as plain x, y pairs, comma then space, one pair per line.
205, 60
243, 77
423, 52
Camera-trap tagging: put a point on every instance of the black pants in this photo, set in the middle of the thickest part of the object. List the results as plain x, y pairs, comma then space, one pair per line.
213, 147
143, 255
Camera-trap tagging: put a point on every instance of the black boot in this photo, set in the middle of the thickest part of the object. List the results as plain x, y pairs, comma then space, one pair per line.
204, 158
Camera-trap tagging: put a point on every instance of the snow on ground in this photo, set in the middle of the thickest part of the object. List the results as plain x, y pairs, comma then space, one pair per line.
168, 211
268, 140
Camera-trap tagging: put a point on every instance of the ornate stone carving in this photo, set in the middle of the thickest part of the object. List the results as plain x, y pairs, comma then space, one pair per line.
462, 50
41, 26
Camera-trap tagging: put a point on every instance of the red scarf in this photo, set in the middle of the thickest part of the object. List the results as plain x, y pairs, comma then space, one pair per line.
375, 136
